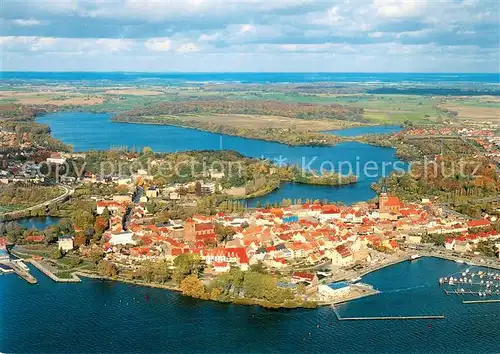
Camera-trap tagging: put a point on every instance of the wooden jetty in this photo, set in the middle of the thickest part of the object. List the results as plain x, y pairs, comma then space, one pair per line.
489, 301
470, 292
385, 318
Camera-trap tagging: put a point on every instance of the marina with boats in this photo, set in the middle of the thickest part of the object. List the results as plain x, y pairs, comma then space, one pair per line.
473, 282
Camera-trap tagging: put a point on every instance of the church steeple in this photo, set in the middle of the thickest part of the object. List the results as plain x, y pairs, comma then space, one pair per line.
383, 190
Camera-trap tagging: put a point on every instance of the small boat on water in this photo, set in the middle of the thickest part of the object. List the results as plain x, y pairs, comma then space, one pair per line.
459, 261
354, 280
21, 265
414, 257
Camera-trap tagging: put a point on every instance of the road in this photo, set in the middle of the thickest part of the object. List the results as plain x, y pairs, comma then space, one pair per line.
447, 211
67, 192
440, 252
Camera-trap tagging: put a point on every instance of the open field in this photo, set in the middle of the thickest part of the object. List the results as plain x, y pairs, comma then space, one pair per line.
133, 92
378, 108
475, 113
51, 98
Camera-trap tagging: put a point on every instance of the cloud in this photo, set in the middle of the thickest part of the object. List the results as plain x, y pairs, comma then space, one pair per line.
228, 30
188, 48
26, 22
52, 44
208, 37
158, 44
375, 34
247, 28
399, 8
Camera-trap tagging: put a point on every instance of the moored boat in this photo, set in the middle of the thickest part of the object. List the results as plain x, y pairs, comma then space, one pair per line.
354, 280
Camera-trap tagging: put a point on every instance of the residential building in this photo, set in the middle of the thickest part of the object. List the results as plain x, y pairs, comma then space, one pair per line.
65, 243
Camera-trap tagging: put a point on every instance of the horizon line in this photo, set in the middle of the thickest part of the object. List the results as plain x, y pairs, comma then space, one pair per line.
248, 72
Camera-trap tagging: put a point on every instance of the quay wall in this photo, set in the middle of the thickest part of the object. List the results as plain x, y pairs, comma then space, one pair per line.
47, 272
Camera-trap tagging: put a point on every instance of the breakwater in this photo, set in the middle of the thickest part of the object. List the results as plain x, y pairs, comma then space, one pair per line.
48, 272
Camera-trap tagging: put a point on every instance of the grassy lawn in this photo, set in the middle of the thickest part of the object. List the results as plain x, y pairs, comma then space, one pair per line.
9, 208
64, 275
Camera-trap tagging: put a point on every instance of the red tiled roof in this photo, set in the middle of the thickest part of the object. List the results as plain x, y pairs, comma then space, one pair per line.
204, 227
393, 201
478, 223
343, 251
303, 275
35, 238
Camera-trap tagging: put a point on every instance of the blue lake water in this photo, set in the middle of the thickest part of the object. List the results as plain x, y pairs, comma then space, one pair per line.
38, 222
357, 131
89, 131
100, 316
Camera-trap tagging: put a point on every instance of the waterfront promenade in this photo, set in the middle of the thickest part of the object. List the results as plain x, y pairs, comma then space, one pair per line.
46, 269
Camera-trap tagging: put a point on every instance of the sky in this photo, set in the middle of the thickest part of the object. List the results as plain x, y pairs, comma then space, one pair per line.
253, 35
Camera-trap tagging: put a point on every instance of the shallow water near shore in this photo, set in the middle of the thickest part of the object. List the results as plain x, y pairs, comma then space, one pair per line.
90, 131
103, 316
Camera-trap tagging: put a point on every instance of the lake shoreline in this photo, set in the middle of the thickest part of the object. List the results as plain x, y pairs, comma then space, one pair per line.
228, 134
104, 135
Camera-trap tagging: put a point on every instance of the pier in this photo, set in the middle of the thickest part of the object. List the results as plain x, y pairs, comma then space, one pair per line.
490, 301
385, 318
21, 271
470, 292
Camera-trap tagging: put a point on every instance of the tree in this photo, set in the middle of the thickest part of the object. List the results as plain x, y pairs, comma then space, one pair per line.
105, 214
215, 294
107, 269
258, 267
157, 271
100, 225
58, 254
301, 289
187, 264
96, 254
192, 286
80, 240
82, 219
122, 189
223, 232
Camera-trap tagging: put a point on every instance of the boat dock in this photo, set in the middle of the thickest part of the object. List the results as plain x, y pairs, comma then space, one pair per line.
21, 270
470, 292
480, 301
385, 318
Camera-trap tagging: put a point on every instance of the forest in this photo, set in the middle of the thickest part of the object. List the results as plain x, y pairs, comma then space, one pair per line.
258, 107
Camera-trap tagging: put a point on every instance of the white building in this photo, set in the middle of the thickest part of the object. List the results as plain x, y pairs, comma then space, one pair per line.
414, 239
65, 243
122, 238
56, 158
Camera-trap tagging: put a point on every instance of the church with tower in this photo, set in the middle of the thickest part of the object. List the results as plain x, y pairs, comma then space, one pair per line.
388, 204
